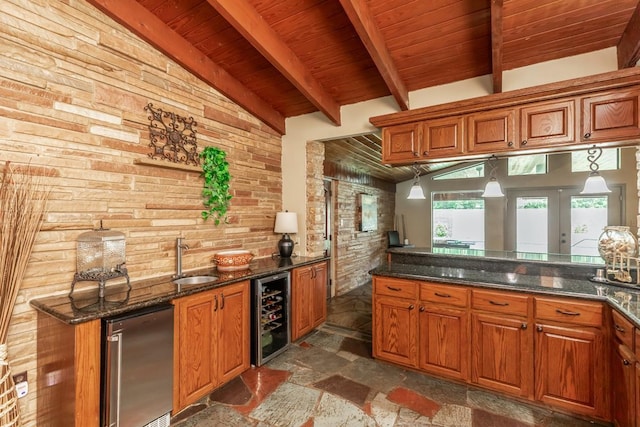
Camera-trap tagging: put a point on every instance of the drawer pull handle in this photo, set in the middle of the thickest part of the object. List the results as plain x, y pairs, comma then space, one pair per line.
221, 301
539, 328
587, 135
422, 308
619, 328
523, 326
438, 294
411, 307
215, 299
625, 362
501, 304
568, 313
391, 288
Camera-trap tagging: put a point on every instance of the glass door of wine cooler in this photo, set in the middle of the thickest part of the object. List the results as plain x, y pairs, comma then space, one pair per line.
271, 322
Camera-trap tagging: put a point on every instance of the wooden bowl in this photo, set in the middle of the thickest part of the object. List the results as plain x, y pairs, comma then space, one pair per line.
232, 260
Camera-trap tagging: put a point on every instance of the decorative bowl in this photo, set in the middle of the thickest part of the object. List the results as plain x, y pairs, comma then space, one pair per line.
232, 260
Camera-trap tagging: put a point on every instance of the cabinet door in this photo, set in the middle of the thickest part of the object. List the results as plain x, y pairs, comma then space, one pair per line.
611, 116
502, 354
443, 137
194, 348
319, 307
233, 331
570, 369
623, 386
547, 124
491, 131
301, 302
444, 341
395, 330
401, 144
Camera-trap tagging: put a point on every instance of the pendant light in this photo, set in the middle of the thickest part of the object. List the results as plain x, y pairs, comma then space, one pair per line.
416, 189
492, 189
595, 183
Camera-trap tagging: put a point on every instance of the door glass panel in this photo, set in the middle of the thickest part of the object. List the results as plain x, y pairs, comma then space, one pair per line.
588, 219
532, 220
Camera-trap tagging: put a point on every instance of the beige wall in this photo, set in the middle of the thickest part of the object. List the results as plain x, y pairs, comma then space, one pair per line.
73, 87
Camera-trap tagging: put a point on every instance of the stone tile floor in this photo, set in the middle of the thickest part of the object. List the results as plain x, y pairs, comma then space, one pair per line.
329, 379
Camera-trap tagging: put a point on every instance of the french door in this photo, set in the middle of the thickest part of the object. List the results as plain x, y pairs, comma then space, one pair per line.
560, 220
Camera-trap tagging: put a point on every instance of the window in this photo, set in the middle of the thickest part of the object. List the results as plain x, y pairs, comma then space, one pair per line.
458, 220
473, 171
610, 160
535, 164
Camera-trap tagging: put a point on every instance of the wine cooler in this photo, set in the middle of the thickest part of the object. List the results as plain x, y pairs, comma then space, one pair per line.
271, 323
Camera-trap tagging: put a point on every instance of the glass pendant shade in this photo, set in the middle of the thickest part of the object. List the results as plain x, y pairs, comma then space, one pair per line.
493, 189
595, 184
416, 192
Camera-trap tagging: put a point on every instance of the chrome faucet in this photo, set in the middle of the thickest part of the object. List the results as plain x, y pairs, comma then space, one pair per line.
179, 247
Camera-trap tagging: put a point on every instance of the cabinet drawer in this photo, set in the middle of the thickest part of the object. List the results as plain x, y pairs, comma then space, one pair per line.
396, 288
623, 329
500, 302
443, 294
568, 311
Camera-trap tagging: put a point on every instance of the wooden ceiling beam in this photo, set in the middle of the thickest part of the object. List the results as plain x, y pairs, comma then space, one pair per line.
628, 48
147, 26
362, 20
496, 44
248, 22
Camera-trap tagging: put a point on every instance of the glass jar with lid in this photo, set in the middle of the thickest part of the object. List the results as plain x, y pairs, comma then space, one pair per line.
617, 240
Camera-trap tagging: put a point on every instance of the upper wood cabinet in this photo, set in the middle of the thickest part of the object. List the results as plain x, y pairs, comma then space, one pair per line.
611, 116
547, 124
402, 143
443, 137
492, 131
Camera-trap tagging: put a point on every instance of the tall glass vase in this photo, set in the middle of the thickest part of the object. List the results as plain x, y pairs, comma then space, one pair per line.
9, 408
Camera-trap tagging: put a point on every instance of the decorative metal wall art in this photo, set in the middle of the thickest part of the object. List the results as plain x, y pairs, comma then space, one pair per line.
173, 137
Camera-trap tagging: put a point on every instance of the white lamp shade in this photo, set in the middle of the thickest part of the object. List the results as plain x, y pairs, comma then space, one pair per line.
595, 184
493, 189
286, 222
416, 192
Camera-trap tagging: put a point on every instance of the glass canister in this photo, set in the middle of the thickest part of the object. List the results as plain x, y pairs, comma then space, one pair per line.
617, 240
100, 251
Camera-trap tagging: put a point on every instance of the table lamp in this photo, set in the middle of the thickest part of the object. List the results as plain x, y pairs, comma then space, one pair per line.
286, 222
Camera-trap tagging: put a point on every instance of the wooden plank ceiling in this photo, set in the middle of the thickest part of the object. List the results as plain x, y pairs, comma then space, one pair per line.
284, 58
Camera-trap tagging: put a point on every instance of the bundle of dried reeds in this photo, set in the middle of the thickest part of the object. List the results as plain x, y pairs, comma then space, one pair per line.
23, 199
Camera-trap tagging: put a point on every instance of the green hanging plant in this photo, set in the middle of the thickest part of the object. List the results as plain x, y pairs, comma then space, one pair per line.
216, 196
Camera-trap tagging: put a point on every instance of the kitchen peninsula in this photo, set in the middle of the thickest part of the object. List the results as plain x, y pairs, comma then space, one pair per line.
69, 344
513, 326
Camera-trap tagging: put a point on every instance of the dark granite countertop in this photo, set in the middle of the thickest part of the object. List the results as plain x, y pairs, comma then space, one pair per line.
555, 279
85, 305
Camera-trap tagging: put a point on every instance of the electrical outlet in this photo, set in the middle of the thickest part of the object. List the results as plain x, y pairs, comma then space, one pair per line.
22, 386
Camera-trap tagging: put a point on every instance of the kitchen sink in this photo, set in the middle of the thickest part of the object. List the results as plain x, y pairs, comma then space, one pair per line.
194, 280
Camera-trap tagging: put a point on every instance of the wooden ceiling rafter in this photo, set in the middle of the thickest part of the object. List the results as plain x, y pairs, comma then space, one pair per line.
628, 48
151, 29
248, 22
363, 21
496, 44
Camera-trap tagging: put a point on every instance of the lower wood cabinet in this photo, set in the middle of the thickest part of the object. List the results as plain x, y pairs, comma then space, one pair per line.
211, 343
308, 298
545, 349
624, 372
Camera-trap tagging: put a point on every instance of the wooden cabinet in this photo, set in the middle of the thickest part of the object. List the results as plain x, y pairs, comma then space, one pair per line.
623, 372
402, 143
492, 131
611, 116
443, 330
502, 342
395, 321
211, 343
547, 124
443, 137
571, 361
308, 299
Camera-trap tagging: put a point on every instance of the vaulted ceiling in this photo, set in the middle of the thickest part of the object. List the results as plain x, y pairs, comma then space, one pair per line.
285, 58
